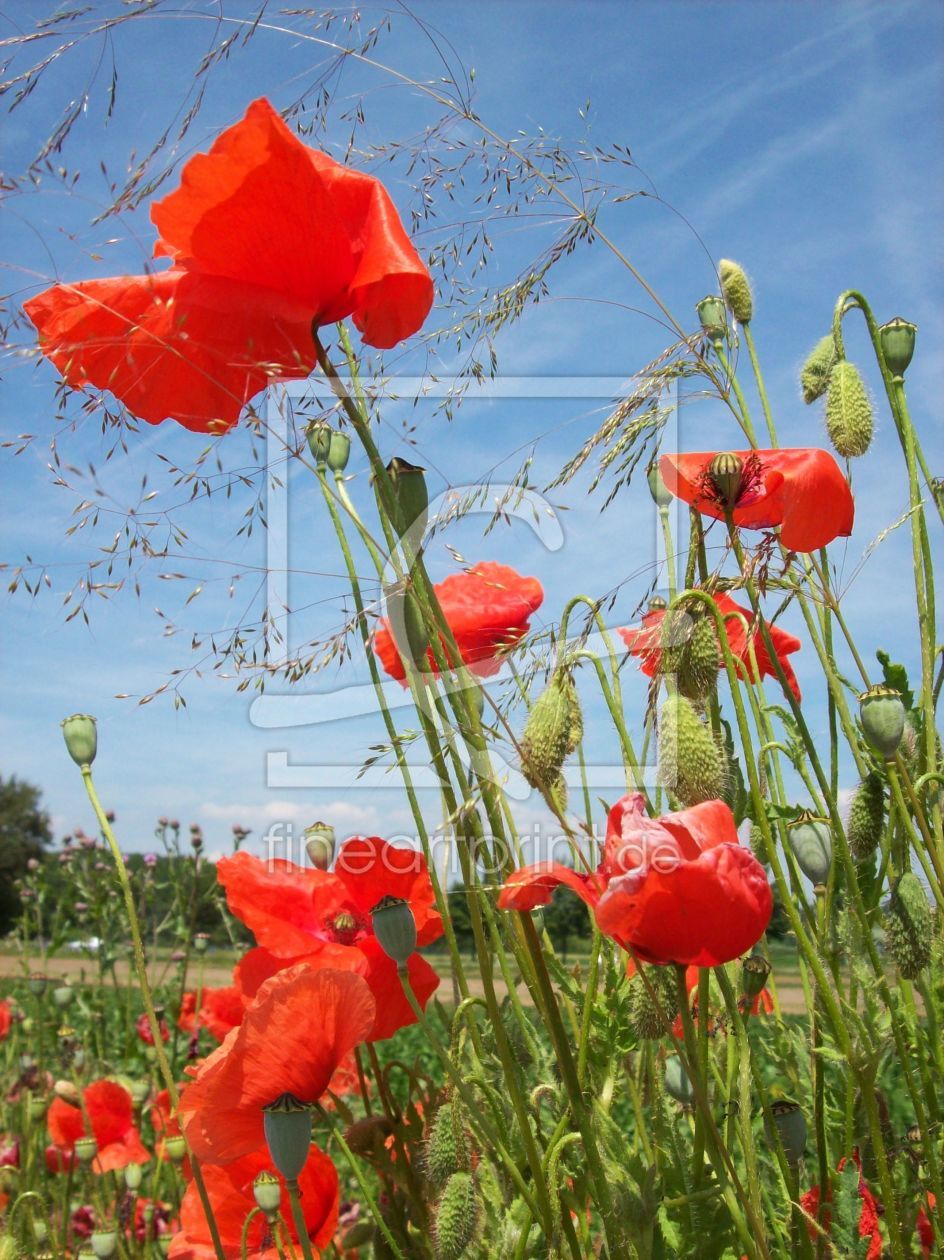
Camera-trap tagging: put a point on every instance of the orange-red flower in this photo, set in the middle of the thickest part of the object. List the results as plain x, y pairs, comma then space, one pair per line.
488, 608
324, 918
145, 1032
803, 491
110, 1110
645, 641
868, 1215
221, 1010
230, 1192
300, 1027
266, 237
6, 1019
680, 888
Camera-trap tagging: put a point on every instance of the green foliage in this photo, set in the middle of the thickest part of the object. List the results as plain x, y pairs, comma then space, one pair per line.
24, 833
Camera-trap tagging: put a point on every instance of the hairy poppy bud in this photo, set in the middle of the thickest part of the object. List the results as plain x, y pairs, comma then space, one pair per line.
411, 497
849, 418
287, 1126
867, 816
712, 315
319, 845
447, 1147
691, 764
661, 495
736, 290
726, 471
395, 929
104, 1243
678, 1085
897, 339
81, 736
791, 1126
86, 1148
649, 1011
814, 375
690, 651
267, 1192
909, 924
549, 730
883, 719
754, 973
457, 1217
134, 1174
811, 842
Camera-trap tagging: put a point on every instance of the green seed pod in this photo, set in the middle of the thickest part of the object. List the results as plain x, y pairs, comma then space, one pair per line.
134, 1175
677, 1082
737, 290
447, 1147
457, 1217
726, 471
850, 421
395, 929
319, 845
86, 1148
814, 375
176, 1147
712, 315
81, 736
547, 733
883, 719
38, 983
867, 816
104, 1243
267, 1192
791, 1125
754, 972
811, 842
909, 923
661, 495
287, 1127
648, 1012
691, 764
897, 339
63, 994
318, 436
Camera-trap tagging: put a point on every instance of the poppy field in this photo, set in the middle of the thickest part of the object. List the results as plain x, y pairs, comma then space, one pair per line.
399, 1059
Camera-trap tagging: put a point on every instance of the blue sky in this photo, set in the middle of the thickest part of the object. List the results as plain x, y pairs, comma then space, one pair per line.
798, 139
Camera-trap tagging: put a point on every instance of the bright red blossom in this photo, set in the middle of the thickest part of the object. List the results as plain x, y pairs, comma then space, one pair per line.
488, 608
744, 641
324, 918
680, 888
803, 491
221, 1010
143, 1026
6, 1019
266, 237
110, 1113
868, 1216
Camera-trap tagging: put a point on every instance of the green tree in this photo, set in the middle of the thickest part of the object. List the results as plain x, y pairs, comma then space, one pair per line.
24, 833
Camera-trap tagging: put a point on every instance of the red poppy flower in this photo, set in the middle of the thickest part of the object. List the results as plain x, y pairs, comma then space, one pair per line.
488, 608
645, 642
230, 1192
266, 236
299, 1028
324, 918
803, 491
680, 888
221, 1010
143, 1025
110, 1110
161, 1115
868, 1216
6, 1019
924, 1228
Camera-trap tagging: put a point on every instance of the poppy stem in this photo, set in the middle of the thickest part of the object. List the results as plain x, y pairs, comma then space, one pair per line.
761, 388
298, 1216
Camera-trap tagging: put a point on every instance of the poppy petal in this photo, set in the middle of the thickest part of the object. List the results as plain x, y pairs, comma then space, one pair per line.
534, 886
393, 1008
274, 900
371, 869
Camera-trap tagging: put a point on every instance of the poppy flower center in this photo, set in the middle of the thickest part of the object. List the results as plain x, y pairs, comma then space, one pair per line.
345, 927
729, 480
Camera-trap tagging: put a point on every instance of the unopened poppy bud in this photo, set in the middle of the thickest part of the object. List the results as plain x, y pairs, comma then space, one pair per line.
737, 290
410, 495
81, 736
726, 471
395, 929
814, 375
691, 762
897, 339
547, 732
133, 1176
201, 942
86, 1148
712, 315
909, 926
287, 1124
62, 995
67, 1092
882, 715
318, 436
678, 1084
754, 973
447, 1147
457, 1217
791, 1126
104, 1243
661, 495
176, 1148
867, 816
849, 418
38, 983
811, 843
319, 845
649, 1010
267, 1192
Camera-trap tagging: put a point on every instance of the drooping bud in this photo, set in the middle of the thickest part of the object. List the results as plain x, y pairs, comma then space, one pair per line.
319, 845
678, 1084
548, 731
267, 1192
754, 972
395, 929
909, 924
81, 736
411, 497
814, 375
661, 495
867, 816
883, 719
457, 1217
737, 290
897, 339
791, 1126
811, 843
104, 1243
691, 763
447, 1147
287, 1125
650, 1010
713, 318
849, 416
690, 651
86, 1148
726, 471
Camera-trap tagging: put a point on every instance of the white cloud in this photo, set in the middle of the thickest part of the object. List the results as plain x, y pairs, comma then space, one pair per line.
342, 815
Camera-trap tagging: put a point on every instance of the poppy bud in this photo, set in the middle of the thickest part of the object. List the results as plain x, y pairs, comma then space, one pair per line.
849, 419
395, 928
791, 1126
883, 719
549, 730
712, 315
81, 736
62, 995
726, 471
287, 1124
104, 1243
909, 926
411, 497
457, 1217
67, 1092
176, 1148
38, 983
737, 290
661, 496
648, 1012
812, 845
814, 375
754, 973
86, 1148
267, 1192
897, 339
407, 626
318, 436
677, 1082
867, 816
319, 845
134, 1175
691, 764
690, 651
447, 1147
